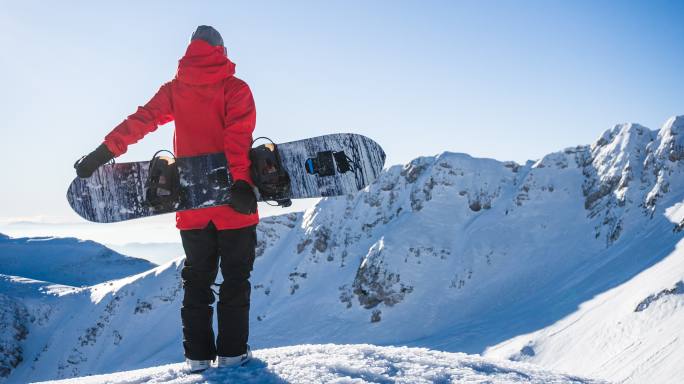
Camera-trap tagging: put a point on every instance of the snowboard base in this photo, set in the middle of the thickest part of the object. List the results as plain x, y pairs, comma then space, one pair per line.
329, 165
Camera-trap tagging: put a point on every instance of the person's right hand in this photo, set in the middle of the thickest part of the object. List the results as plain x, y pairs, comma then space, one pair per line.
242, 198
86, 165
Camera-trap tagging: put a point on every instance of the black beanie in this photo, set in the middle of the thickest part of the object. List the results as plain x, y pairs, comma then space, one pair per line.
208, 34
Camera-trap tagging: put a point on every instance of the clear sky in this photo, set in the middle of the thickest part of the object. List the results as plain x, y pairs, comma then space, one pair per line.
511, 80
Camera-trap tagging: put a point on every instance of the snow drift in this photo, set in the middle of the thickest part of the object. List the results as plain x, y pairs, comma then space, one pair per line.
348, 363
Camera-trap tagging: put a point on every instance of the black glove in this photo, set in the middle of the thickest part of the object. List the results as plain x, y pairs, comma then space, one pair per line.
86, 165
242, 198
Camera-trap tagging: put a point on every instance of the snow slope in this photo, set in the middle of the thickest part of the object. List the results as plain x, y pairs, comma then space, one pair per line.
66, 261
26, 303
71, 331
448, 252
347, 364
632, 333
106, 337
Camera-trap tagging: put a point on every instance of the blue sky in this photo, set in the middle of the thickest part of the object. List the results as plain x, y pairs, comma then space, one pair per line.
511, 80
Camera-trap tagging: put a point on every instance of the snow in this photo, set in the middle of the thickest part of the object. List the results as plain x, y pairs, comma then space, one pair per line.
675, 213
331, 363
65, 260
637, 327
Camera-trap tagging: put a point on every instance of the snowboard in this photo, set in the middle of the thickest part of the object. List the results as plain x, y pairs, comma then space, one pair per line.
323, 166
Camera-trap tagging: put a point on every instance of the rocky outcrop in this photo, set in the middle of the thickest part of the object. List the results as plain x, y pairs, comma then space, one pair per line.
678, 289
14, 321
375, 283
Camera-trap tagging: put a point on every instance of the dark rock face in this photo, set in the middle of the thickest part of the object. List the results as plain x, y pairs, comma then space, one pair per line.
414, 169
375, 284
678, 289
14, 321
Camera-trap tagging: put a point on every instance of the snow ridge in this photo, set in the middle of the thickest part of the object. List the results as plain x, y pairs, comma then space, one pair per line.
66, 261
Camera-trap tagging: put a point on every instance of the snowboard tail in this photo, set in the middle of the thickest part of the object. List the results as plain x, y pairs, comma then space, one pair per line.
117, 192
329, 165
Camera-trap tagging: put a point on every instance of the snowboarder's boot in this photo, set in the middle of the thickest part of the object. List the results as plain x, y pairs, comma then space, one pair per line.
235, 361
198, 365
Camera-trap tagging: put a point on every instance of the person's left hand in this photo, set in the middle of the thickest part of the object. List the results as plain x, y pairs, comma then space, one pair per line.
86, 165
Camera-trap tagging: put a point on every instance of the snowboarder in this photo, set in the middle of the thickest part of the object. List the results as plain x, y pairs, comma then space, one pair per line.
213, 111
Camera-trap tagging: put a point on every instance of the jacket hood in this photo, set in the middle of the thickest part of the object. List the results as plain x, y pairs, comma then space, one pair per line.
204, 64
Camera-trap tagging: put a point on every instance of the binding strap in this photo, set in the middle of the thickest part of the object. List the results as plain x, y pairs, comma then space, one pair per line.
163, 182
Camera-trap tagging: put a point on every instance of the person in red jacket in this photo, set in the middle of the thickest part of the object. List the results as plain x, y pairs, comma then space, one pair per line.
213, 111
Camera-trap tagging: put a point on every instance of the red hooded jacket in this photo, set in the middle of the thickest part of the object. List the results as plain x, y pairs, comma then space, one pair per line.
213, 110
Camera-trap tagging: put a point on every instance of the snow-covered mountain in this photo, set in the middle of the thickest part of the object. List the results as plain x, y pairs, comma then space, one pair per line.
570, 261
461, 253
66, 261
26, 302
61, 331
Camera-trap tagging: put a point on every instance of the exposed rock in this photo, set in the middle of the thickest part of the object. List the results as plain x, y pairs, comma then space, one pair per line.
271, 228
678, 289
414, 169
375, 316
14, 320
142, 307
375, 284
322, 236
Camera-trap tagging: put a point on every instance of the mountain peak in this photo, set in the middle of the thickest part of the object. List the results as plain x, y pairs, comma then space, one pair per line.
622, 134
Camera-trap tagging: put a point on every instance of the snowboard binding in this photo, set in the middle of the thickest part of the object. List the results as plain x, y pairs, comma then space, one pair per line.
162, 188
326, 162
269, 175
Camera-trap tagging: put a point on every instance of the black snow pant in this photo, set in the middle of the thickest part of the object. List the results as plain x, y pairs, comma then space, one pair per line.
203, 250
